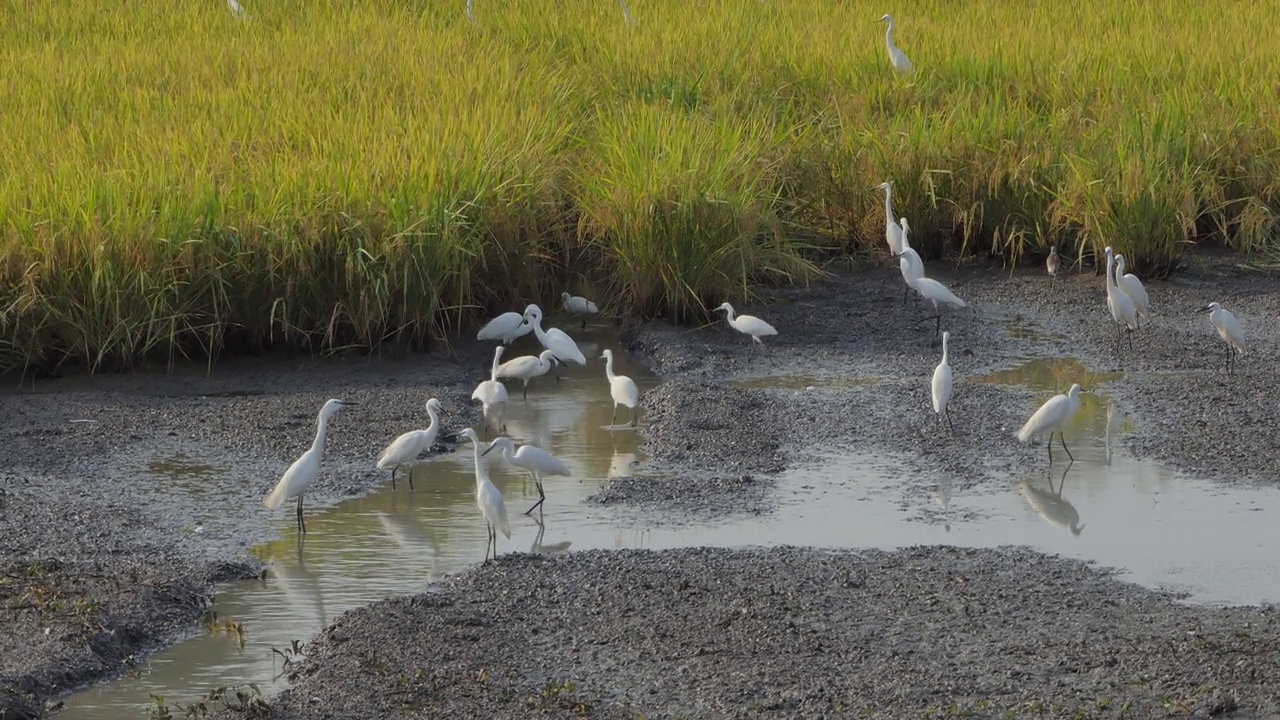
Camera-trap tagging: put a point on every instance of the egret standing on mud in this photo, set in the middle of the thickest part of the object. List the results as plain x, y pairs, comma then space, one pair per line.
1228, 329
1119, 304
910, 263
533, 460
408, 446
492, 396
506, 327
304, 470
935, 292
527, 367
897, 58
622, 388
1052, 417
942, 387
578, 305
488, 499
1130, 285
748, 324
555, 339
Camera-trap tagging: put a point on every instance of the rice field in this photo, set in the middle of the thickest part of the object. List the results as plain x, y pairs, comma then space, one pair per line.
179, 181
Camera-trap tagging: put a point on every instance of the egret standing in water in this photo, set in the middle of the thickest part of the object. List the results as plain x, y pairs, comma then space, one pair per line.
1228, 329
578, 305
555, 339
1053, 263
622, 388
897, 58
527, 367
1119, 304
747, 324
506, 327
1052, 417
892, 230
492, 395
304, 470
942, 387
408, 446
488, 499
533, 460
1130, 285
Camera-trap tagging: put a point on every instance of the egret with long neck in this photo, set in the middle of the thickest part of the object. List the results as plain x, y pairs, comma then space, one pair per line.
304, 470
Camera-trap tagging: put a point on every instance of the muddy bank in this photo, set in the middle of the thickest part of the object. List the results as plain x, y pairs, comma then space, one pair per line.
125, 499
788, 632
1189, 413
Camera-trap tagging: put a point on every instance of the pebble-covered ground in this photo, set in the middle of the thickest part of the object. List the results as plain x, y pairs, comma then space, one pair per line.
80, 517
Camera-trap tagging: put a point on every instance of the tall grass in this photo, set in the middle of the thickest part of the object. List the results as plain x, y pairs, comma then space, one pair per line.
175, 180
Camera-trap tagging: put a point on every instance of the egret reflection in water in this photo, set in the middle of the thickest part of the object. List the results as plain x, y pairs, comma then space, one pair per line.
1051, 505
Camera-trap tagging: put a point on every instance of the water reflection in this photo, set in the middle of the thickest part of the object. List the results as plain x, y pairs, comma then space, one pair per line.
1050, 504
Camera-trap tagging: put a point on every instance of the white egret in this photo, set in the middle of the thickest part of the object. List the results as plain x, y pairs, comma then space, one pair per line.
492, 395
1228, 329
622, 388
892, 230
626, 13
1053, 263
1130, 285
408, 446
555, 339
506, 327
897, 58
935, 292
533, 460
909, 261
235, 7
942, 387
304, 470
747, 324
579, 306
527, 367
1119, 304
1052, 417
471, 13
488, 498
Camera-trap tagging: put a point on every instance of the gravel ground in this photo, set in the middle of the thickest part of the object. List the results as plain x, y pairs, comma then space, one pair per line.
85, 514
788, 632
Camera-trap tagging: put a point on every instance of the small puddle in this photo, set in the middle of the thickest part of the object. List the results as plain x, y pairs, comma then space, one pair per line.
1055, 375
1161, 529
809, 382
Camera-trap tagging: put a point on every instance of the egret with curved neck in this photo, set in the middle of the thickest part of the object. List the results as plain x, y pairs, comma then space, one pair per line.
407, 447
622, 389
897, 58
488, 499
304, 470
1121, 307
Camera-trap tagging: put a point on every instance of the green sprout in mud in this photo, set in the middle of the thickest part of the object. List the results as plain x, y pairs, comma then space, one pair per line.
290, 655
246, 700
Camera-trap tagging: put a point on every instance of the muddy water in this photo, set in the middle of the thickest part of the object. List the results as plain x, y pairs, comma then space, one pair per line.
1163, 530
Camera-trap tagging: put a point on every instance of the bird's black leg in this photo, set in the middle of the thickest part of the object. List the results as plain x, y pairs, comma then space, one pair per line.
614, 419
905, 292
302, 524
584, 322
937, 330
1063, 438
411, 477
541, 495
393, 477
526, 389
947, 410
1050, 448
488, 538
635, 415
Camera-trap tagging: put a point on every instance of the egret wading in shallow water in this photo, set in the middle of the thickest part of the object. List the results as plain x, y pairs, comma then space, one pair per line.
1052, 417
897, 58
506, 327
1130, 285
942, 387
304, 470
492, 396
533, 460
555, 339
909, 262
408, 446
488, 499
1119, 304
578, 305
622, 388
747, 324
892, 230
1228, 329
1053, 264
527, 367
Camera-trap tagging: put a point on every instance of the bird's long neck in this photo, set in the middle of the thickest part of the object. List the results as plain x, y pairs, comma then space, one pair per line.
1111, 279
481, 474
888, 36
435, 419
322, 431
888, 193
1119, 268
944, 350
608, 367
728, 313
493, 370
508, 453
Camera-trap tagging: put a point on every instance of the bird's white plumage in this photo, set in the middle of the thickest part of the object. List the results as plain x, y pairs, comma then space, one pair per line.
626, 13
554, 339
1131, 286
1118, 303
527, 367
530, 458
1053, 415
909, 261
892, 230
897, 58
471, 13
942, 380
577, 304
488, 498
748, 324
235, 7
506, 327
491, 393
622, 389
303, 471
1227, 326
936, 292
411, 444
